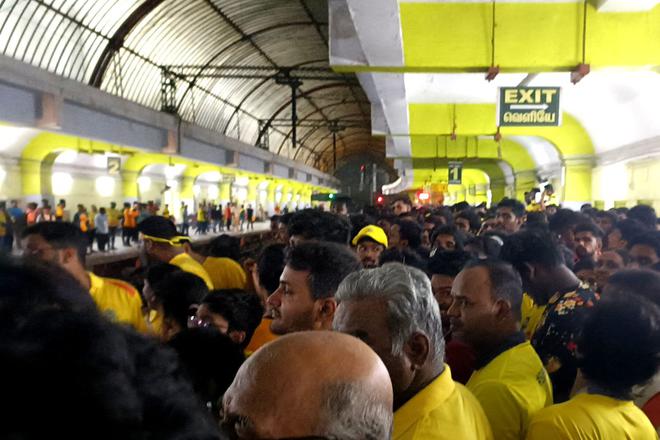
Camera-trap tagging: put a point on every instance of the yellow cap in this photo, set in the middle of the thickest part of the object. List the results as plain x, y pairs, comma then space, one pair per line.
374, 232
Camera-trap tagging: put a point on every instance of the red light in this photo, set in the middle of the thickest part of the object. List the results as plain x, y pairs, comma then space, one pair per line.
362, 168
379, 200
423, 196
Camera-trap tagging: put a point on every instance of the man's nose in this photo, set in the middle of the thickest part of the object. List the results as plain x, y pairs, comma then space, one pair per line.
275, 298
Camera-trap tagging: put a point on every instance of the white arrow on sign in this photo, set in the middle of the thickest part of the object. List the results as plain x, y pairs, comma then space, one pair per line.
529, 107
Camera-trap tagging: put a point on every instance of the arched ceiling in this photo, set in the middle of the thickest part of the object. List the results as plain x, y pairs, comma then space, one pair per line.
424, 65
213, 62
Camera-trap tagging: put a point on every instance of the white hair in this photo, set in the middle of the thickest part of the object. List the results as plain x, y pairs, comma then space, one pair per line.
350, 411
411, 305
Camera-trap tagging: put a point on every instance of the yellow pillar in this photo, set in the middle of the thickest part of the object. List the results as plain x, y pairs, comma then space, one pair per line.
577, 180
129, 185
31, 179
252, 193
187, 184
225, 192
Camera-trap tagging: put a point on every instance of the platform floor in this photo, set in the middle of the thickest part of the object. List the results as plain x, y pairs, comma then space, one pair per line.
123, 252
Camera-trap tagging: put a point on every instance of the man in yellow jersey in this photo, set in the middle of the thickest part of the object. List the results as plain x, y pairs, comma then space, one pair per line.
509, 381
552, 285
113, 223
221, 263
64, 244
59, 210
161, 242
393, 310
619, 348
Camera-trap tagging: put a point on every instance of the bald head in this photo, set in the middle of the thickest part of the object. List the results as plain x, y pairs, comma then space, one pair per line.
311, 383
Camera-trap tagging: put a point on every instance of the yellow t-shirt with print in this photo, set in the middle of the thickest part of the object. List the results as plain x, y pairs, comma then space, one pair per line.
118, 300
443, 410
188, 264
225, 273
531, 315
511, 389
591, 417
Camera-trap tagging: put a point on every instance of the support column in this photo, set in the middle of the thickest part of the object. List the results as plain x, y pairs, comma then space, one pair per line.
31, 180
129, 185
577, 181
225, 193
252, 193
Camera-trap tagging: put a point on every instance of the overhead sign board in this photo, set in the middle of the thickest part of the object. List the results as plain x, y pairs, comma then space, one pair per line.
528, 107
114, 164
455, 172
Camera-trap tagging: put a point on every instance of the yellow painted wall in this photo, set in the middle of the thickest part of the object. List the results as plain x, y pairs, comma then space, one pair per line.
630, 182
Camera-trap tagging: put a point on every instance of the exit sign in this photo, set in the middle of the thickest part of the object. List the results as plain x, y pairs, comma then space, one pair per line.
528, 107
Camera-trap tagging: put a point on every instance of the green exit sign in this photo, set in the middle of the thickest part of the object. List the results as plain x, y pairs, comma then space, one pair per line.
528, 107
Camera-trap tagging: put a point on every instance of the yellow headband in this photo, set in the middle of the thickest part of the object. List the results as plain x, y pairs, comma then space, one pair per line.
174, 241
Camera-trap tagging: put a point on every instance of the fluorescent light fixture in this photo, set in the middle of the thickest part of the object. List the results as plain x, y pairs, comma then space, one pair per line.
144, 183
61, 183
67, 157
213, 192
241, 181
105, 186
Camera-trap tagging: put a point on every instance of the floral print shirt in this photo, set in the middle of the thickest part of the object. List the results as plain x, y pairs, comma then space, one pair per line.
555, 338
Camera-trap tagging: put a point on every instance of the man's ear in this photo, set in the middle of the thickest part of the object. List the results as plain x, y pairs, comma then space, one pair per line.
502, 309
527, 271
417, 349
67, 255
326, 309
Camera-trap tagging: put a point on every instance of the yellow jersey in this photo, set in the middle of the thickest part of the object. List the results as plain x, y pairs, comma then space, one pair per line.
118, 300
262, 336
113, 217
443, 410
3, 224
592, 417
225, 273
531, 315
511, 389
188, 264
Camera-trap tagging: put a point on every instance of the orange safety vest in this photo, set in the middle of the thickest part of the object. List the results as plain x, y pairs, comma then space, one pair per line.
83, 222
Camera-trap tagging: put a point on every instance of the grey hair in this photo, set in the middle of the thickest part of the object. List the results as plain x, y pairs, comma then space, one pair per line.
411, 306
350, 411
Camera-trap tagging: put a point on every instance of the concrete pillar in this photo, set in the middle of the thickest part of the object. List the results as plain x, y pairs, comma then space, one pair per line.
187, 184
225, 193
252, 193
577, 181
129, 185
31, 180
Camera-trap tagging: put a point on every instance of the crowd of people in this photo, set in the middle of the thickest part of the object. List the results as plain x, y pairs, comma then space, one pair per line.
102, 225
518, 321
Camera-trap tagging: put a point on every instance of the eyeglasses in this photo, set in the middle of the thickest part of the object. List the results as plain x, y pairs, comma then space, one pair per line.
195, 322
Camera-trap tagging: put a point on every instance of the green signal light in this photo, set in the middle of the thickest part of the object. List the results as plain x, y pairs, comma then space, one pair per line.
331, 196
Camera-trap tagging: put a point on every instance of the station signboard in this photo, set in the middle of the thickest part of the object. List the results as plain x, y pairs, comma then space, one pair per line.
455, 168
528, 107
114, 165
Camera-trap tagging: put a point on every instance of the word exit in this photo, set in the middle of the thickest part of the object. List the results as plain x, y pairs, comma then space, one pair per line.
528, 106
